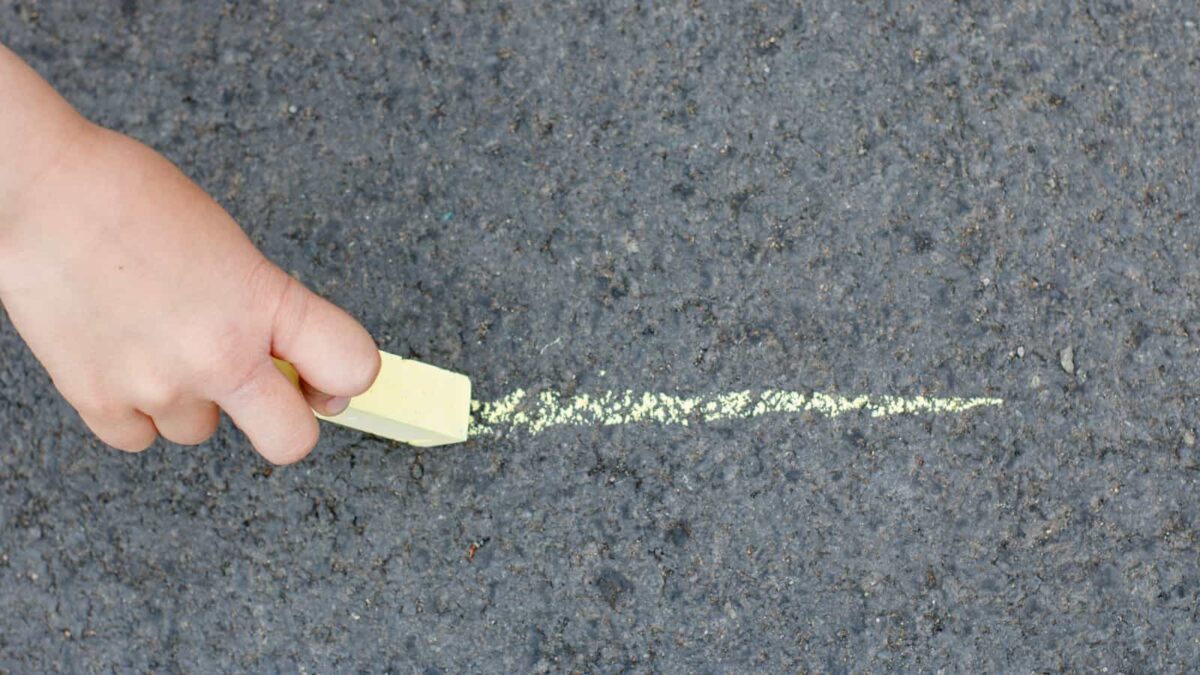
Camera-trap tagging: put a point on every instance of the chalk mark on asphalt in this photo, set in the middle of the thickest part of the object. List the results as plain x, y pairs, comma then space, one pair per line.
535, 413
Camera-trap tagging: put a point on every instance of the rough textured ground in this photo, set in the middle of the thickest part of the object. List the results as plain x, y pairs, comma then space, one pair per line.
885, 198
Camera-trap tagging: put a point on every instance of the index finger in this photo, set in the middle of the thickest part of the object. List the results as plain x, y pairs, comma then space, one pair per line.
273, 415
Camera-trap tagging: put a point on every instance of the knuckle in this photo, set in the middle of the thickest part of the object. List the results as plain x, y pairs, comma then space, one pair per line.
159, 397
291, 311
244, 379
224, 351
217, 347
263, 281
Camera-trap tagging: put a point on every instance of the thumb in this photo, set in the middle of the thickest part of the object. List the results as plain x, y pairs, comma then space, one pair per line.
333, 354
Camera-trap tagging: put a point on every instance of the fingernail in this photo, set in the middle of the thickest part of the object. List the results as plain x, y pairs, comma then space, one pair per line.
337, 404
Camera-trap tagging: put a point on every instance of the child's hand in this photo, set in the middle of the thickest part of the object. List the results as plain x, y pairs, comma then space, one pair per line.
150, 307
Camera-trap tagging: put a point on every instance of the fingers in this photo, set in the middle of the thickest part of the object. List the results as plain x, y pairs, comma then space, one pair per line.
322, 402
188, 423
334, 355
273, 415
127, 430
317, 400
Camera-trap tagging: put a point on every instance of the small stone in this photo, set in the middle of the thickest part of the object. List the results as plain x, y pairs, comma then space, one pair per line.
1189, 438
1066, 359
1020, 352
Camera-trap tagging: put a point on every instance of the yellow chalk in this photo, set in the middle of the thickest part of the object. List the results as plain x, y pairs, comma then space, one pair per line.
410, 402
548, 409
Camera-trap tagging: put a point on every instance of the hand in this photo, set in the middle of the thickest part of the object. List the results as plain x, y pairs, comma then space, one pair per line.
150, 307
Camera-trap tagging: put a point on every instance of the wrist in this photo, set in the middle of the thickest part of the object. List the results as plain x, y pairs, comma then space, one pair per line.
40, 158
37, 131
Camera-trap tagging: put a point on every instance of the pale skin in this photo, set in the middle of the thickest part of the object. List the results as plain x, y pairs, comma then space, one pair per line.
144, 300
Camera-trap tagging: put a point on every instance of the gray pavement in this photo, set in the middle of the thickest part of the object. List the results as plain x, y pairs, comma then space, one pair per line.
907, 199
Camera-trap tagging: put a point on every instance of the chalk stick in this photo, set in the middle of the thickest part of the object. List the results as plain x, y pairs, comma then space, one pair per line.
410, 402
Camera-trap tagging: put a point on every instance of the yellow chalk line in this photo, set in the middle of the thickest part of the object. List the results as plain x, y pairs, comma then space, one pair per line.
537, 413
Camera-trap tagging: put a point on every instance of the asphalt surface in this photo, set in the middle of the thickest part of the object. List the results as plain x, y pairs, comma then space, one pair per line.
942, 199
